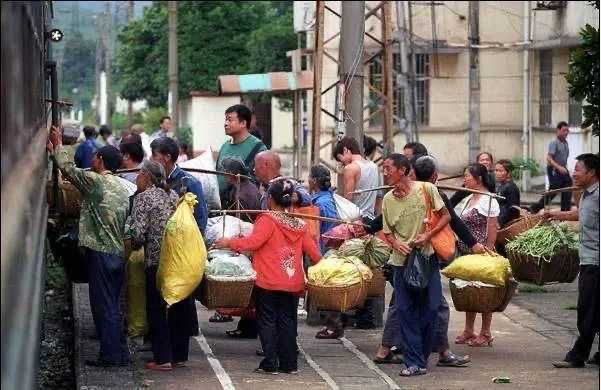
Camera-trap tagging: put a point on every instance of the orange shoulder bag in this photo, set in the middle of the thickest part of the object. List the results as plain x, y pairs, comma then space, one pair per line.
443, 242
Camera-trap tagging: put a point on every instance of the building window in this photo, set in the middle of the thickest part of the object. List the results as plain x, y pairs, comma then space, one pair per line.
575, 112
546, 91
422, 89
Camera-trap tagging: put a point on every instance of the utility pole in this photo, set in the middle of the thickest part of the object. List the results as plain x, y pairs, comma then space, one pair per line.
98, 65
526, 140
173, 98
108, 58
351, 67
474, 80
130, 110
405, 73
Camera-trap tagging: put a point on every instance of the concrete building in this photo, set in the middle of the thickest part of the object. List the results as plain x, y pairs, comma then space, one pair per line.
443, 75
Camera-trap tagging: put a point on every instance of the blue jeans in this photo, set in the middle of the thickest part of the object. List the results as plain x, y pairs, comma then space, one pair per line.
417, 316
106, 273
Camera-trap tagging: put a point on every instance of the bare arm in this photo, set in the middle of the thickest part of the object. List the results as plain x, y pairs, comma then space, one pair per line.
555, 165
491, 234
350, 174
571, 215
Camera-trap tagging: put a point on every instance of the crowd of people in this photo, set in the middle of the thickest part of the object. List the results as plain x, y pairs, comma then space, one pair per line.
112, 223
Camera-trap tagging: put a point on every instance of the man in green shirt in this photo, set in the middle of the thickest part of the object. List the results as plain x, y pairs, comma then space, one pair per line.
104, 206
243, 145
404, 211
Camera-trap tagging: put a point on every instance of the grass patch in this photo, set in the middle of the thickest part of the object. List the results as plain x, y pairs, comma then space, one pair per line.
570, 307
531, 288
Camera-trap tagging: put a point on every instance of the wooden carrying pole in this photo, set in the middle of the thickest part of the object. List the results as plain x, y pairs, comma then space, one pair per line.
197, 170
297, 215
439, 186
559, 190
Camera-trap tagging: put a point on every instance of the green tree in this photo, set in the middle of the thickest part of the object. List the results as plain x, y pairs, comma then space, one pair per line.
78, 70
214, 38
583, 74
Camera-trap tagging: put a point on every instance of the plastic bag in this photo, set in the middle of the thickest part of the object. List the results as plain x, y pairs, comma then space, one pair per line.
229, 263
334, 237
137, 324
494, 270
417, 270
337, 271
234, 227
183, 253
210, 186
347, 210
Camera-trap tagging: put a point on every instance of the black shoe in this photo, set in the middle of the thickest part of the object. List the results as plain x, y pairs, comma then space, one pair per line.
266, 371
291, 371
568, 364
594, 360
105, 363
260, 352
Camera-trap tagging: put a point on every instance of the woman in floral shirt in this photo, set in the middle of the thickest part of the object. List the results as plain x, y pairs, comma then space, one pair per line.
170, 329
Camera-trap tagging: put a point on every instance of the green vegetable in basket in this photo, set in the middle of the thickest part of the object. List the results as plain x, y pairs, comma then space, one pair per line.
371, 250
545, 241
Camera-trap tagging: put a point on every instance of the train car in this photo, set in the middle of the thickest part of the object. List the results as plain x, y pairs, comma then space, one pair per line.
25, 115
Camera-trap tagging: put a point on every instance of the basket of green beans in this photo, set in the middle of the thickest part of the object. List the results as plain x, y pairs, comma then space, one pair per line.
545, 254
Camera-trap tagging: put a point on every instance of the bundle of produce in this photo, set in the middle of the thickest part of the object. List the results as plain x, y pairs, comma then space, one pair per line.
336, 236
371, 250
226, 227
545, 254
229, 280
338, 283
485, 268
478, 297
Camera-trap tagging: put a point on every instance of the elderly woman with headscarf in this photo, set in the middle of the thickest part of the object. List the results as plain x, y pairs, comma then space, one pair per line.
170, 328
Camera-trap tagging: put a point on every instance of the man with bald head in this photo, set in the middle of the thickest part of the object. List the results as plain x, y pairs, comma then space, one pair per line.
267, 168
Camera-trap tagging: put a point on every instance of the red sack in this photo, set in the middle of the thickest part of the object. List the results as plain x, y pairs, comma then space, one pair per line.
336, 236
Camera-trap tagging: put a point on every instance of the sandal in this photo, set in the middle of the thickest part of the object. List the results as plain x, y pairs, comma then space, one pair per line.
328, 334
453, 360
481, 341
218, 317
391, 358
413, 371
464, 339
179, 364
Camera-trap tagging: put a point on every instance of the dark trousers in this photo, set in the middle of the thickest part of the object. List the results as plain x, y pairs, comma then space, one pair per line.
588, 313
441, 338
277, 320
106, 275
391, 334
170, 329
417, 316
556, 180
365, 315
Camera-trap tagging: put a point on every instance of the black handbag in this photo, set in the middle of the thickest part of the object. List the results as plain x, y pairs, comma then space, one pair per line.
417, 270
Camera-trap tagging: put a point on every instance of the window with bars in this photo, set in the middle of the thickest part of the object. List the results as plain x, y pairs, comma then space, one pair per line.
422, 90
574, 112
546, 84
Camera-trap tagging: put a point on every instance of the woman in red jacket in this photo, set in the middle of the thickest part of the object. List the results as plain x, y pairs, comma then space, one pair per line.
278, 242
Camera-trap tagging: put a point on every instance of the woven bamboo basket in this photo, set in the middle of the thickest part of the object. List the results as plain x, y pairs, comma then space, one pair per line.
222, 292
376, 287
482, 299
338, 298
69, 199
562, 267
517, 227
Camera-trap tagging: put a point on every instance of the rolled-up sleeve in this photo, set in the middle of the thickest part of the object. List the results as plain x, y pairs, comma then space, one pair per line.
82, 179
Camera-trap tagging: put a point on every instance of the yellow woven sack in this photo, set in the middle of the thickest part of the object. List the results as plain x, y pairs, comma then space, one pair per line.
336, 271
183, 253
137, 324
489, 269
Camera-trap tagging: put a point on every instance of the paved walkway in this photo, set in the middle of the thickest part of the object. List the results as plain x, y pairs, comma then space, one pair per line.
534, 330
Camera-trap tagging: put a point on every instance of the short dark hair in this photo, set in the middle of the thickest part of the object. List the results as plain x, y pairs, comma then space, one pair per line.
322, 176
480, 172
400, 161
562, 124
104, 129
183, 147
506, 164
369, 145
346, 142
134, 150
131, 138
243, 112
163, 119
89, 131
281, 192
235, 165
417, 148
165, 145
111, 157
424, 168
590, 162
